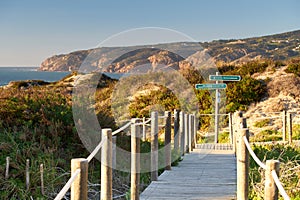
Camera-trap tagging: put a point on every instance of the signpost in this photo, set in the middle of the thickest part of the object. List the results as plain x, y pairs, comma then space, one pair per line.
224, 78
216, 86
211, 86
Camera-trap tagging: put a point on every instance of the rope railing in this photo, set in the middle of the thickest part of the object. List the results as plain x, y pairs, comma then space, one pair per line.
95, 151
255, 158
67, 186
264, 166
220, 114
78, 182
279, 186
257, 113
121, 129
271, 167
149, 120
271, 117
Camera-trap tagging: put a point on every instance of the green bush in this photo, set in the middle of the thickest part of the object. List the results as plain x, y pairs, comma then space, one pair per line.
224, 137
246, 69
266, 136
19, 148
293, 68
289, 156
262, 123
141, 105
243, 93
296, 132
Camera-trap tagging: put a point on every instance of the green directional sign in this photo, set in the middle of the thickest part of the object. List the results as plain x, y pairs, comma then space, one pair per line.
224, 78
211, 86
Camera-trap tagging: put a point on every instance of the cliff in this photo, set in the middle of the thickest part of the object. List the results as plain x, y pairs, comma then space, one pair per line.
277, 47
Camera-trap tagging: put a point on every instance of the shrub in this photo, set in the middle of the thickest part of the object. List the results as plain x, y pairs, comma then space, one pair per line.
244, 92
262, 123
293, 68
267, 135
224, 137
290, 162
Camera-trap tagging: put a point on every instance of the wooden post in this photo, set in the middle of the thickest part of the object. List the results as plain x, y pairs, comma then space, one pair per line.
114, 152
243, 122
7, 168
235, 129
144, 129
106, 165
182, 134
271, 190
230, 128
186, 133
154, 146
242, 165
42, 179
240, 123
195, 129
167, 147
176, 131
290, 127
284, 125
79, 187
190, 148
135, 159
27, 175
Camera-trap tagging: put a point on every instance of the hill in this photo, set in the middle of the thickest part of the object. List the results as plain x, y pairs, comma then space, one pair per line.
36, 118
276, 47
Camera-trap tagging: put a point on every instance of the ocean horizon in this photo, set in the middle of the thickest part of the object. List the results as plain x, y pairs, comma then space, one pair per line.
8, 74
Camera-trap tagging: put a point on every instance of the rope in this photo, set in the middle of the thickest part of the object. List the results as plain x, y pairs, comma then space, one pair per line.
266, 113
279, 186
92, 155
162, 117
212, 114
65, 189
258, 118
270, 142
255, 158
143, 123
146, 122
121, 129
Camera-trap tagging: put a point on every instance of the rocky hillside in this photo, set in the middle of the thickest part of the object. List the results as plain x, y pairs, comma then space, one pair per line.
277, 47
283, 94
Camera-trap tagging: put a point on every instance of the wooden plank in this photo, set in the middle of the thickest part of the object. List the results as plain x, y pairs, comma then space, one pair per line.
203, 174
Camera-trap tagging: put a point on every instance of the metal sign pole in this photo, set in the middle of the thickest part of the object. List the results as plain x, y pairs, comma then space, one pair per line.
217, 86
217, 112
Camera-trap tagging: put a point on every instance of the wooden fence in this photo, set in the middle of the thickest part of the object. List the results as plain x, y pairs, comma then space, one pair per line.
272, 167
288, 120
27, 174
182, 141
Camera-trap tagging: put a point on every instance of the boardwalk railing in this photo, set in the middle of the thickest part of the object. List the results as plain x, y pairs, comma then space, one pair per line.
182, 141
283, 121
272, 167
222, 126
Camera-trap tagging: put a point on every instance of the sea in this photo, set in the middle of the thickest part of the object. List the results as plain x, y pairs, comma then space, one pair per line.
8, 74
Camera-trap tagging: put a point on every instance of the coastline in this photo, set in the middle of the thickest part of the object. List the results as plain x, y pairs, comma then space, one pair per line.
9, 74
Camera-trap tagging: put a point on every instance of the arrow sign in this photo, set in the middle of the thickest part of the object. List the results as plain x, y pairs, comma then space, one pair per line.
211, 86
224, 78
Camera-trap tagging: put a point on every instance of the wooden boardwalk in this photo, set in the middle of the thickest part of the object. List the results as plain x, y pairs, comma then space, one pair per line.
203, 174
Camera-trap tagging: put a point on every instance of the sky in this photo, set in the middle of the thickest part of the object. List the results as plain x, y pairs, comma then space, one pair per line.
33, 30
